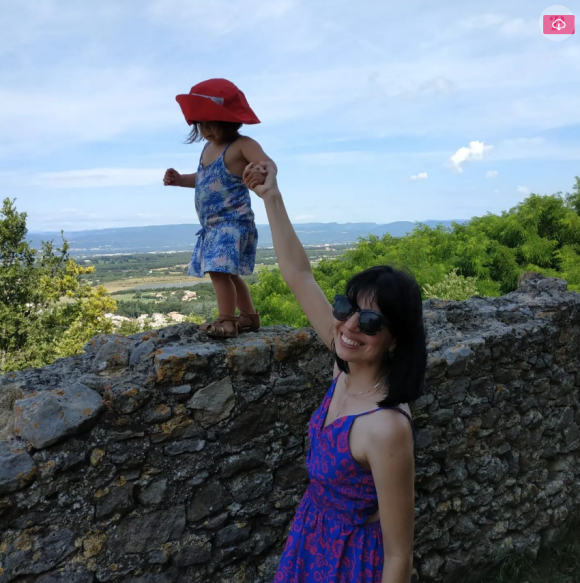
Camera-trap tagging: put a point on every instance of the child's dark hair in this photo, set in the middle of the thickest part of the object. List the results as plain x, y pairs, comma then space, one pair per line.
398, 297
227, 131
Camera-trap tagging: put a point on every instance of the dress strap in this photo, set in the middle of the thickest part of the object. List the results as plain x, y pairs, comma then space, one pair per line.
392, 409
201, 155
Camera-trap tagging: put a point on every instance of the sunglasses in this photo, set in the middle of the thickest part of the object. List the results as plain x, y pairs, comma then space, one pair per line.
369, 321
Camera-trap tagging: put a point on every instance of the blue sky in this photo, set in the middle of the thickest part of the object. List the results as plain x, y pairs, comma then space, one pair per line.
373, 111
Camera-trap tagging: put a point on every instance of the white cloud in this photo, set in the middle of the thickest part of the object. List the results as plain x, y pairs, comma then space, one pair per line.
420, 176
475, 151
523, 190
491, 173
98, 178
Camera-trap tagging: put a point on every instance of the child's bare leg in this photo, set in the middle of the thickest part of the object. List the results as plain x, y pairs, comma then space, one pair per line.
225, 292
244, 300
249, 319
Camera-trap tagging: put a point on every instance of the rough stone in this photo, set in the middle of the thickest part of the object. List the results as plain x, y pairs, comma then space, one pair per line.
17, 469
246, 487
46, 417
141, 352
111, 357
67, 575
145, 533
213, 403
185, 446
242, 461
208, 499
118, 500
497, 451
199, 551
154, 493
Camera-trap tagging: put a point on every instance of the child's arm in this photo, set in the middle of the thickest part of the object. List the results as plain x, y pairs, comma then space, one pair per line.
253, 152
174, 178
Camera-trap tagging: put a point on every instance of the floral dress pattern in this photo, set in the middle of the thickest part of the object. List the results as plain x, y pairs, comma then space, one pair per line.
330, 540
228, 237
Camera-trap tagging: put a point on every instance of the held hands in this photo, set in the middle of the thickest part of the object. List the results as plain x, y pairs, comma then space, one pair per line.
261, 178
172, 178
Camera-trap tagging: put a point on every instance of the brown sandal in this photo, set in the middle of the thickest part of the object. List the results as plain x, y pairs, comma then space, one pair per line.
217, 330
248, 322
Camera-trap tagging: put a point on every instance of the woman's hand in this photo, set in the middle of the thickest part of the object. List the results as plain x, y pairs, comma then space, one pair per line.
254, 179
172, 178
254, 175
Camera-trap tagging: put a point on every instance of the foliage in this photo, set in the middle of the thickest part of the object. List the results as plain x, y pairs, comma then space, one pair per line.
540, 234
129, 327
453, 287
46, 310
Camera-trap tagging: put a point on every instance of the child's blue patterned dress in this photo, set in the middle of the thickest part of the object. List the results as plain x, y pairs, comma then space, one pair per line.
228, 237
331, 540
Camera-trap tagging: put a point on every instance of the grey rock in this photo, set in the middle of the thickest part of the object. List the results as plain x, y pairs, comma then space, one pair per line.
232, 534
431, 565
118, 500
253, 357
246, 487
127, 397
141, 352
147, 532
67, 575
213, 403
49, 416
199, 551
182, 391
111, 357
154, 493
129, 453
208, 499
160, 413
185, 446
32, 554
242, 461
17, 469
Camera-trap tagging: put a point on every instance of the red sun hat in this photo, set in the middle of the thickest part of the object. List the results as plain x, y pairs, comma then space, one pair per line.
216, 100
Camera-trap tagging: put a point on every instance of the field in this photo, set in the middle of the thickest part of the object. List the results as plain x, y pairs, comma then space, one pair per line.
155, 270
135, 281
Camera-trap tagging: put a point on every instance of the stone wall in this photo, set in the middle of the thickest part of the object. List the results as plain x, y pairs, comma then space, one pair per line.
168, 457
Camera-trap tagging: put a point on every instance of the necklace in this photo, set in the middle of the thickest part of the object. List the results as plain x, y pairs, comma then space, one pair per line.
371, 391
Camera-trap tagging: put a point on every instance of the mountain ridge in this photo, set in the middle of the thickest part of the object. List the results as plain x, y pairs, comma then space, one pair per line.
182, 237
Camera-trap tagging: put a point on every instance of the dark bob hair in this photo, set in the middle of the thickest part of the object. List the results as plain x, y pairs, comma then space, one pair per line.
226, 131
398, 297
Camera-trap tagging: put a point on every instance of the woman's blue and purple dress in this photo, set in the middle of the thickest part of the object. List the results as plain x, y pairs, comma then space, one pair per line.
331, 539
228, 237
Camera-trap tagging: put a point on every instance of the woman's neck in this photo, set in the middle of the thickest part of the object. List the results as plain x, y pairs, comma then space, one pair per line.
363, 376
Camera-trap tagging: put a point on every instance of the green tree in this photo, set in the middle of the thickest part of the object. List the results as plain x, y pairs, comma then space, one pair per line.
46, 310
128, 327
453, 287
486, 256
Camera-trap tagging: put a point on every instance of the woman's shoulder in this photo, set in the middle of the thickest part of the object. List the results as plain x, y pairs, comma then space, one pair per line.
391, 425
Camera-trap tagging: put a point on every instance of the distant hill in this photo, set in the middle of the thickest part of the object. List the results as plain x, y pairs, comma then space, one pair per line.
155, 239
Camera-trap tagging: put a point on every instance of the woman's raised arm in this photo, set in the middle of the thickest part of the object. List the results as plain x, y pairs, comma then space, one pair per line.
292, 259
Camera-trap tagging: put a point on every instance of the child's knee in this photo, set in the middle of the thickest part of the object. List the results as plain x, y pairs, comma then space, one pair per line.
219, 276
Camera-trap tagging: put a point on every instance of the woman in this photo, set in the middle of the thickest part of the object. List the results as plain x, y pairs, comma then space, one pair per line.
355, 521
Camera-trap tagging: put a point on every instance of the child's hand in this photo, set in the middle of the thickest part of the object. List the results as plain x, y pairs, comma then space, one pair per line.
172, 178
266, 188
254, 175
